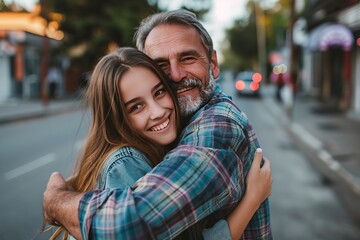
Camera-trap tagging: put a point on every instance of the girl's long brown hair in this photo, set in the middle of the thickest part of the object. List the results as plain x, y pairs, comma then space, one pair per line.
110, 128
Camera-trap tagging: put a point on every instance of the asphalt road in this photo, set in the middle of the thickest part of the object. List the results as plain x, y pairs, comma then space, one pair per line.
30, 151
302, 206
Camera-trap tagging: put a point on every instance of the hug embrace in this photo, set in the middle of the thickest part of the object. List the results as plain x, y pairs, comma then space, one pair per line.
168, 155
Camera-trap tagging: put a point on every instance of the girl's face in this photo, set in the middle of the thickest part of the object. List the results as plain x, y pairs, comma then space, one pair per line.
150, 108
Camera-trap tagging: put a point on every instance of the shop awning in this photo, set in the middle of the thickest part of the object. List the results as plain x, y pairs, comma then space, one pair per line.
330, 35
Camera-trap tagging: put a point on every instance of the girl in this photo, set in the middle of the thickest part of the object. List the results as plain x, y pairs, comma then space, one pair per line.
135, 121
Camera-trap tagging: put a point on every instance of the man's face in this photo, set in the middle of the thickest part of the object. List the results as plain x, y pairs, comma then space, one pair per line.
180, 53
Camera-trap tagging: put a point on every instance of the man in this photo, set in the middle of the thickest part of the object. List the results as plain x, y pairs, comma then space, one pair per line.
203, 176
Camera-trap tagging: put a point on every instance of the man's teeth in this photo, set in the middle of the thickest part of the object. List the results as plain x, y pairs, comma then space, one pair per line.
181, 90
161, 126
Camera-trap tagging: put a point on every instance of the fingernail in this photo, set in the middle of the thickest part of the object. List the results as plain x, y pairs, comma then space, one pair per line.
259, 150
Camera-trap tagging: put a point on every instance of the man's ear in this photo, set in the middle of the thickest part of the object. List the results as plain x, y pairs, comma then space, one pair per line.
214, 65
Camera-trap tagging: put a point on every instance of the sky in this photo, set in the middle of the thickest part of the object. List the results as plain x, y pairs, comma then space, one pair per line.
220, 17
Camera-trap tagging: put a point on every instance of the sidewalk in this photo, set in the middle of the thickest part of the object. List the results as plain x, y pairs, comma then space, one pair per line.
17, 110
331, 142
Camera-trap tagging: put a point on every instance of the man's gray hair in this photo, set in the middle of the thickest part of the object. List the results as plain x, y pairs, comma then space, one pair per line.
182, 17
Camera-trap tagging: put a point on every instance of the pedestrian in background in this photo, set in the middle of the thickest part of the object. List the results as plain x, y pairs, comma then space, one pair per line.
54, 79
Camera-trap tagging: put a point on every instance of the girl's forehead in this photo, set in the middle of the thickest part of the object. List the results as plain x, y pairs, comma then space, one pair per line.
138, 82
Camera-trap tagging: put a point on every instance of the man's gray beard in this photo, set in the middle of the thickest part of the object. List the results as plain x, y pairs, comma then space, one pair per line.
189, 106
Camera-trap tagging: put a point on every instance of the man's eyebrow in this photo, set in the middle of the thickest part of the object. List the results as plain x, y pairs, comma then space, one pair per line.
190, 52
160, 59
182, 54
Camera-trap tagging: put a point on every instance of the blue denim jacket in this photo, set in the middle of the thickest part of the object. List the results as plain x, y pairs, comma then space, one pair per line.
126, 165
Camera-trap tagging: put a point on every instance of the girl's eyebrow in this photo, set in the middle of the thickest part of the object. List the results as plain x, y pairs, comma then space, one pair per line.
157, 86
131, 101
137, 98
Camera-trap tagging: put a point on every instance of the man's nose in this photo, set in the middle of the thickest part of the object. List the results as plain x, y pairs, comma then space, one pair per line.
177, 73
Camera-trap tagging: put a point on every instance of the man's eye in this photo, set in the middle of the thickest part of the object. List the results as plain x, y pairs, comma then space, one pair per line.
163, 66
188, 59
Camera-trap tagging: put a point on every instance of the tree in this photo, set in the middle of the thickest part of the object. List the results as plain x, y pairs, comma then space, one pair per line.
242, 36
92, 28
243, 44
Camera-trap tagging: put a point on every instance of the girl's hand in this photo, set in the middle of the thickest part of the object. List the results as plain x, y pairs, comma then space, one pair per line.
258, 188
259, 179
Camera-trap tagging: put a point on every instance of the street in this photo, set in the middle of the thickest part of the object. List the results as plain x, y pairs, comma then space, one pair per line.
302, 205
30, 151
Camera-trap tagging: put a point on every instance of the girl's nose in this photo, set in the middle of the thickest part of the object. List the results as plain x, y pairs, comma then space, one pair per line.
156, 111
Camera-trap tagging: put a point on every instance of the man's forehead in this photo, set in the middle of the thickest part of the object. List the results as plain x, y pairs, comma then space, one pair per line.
167, 41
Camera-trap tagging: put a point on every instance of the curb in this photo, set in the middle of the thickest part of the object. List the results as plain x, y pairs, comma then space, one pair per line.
39, 113
314, 150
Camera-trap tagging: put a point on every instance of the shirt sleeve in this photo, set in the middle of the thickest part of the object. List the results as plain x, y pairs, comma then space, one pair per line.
201, 175
125, 171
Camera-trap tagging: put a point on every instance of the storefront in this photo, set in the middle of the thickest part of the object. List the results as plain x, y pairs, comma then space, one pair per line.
351, 18
331, 54
331, 45
26, 40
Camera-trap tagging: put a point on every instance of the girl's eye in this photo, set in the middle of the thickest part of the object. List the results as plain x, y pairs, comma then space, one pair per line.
160, 92
134, 107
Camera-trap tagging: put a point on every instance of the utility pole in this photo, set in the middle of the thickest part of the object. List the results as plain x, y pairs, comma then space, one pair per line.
44, 64
260, 35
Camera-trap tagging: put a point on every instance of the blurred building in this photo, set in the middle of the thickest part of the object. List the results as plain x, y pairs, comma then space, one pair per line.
330, 66
25, 43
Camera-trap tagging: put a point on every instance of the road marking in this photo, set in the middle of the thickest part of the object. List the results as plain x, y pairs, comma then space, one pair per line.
30, 166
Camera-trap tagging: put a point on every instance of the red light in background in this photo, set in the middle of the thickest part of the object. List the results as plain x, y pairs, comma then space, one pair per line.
254, 86
358, 41
240, 85
256, 77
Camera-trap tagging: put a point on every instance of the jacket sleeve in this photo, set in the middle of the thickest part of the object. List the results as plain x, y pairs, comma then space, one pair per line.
124, 172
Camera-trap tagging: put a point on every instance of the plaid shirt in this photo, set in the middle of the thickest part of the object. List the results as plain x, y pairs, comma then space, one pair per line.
204, 175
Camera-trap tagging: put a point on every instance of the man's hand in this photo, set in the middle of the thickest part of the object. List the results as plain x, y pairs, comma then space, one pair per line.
61, 203
55, 184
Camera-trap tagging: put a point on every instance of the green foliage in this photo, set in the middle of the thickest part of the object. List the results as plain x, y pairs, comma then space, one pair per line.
95, 25
3, 7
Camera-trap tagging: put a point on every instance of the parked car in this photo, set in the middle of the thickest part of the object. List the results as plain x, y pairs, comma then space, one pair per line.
248, 83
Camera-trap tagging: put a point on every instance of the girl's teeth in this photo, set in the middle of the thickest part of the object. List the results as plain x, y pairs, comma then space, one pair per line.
161, 126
